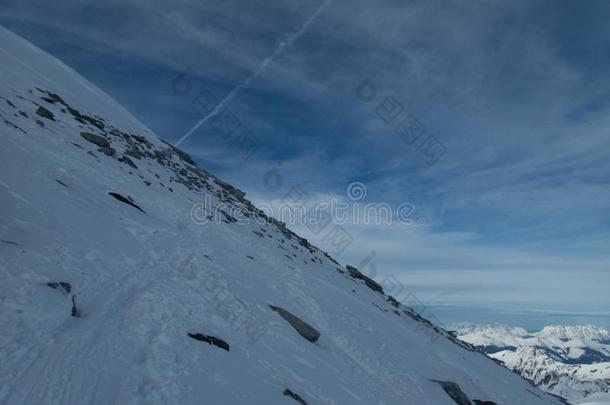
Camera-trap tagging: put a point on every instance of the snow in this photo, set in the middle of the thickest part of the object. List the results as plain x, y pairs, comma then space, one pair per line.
144, 280
553, 358
578, 383
569, 340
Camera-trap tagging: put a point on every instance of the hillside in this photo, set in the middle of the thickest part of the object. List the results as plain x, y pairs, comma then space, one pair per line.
112, 294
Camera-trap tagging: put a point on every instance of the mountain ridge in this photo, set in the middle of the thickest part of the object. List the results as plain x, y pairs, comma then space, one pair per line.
570, 361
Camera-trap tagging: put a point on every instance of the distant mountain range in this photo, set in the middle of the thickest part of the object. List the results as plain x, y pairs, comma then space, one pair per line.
569, 361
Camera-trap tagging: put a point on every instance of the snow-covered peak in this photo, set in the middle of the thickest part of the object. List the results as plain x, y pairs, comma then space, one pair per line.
568, 339
579, 383
584, 332
491, 335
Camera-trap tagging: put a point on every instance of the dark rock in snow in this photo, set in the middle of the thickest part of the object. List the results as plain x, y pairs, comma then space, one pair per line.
142, 140
181, 154
370, 283
294, 396
229, 219
10, 124
211, 340
96, 139
107, 151
126, 200
304, 329
75, 310
9, 242
128, 161
393, 301
481, 402
44, 113
454, 391
52, 98
85, 119
49, 100
67, 287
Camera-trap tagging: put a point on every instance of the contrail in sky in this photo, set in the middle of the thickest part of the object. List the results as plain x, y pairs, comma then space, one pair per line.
278, 50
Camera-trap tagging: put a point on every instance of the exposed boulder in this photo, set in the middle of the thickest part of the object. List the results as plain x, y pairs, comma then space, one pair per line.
44, 113
108, 151
52, 98
370, 283
454, 391
303, 328
75, 309
96, 139
211, 340
9, 242
481, 402
294, 396
126, 200
100, 141
67, 287
85, 119
393, 301
126, 160
181, 154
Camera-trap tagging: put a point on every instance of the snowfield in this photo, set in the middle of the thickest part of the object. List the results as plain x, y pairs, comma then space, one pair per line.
569, 361
139, 275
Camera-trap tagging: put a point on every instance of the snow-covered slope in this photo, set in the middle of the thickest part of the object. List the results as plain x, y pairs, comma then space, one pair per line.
92, 199
570, 361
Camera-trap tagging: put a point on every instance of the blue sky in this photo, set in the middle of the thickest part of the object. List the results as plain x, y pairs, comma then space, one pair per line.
515, 213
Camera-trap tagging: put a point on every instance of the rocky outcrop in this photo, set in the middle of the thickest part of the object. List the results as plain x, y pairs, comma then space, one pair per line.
454, 391
67, 287
211, 340
126, 160
44, 113
99, 141
96, 139
75, 309
303, 328
370, 283
126, 200
294, 396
